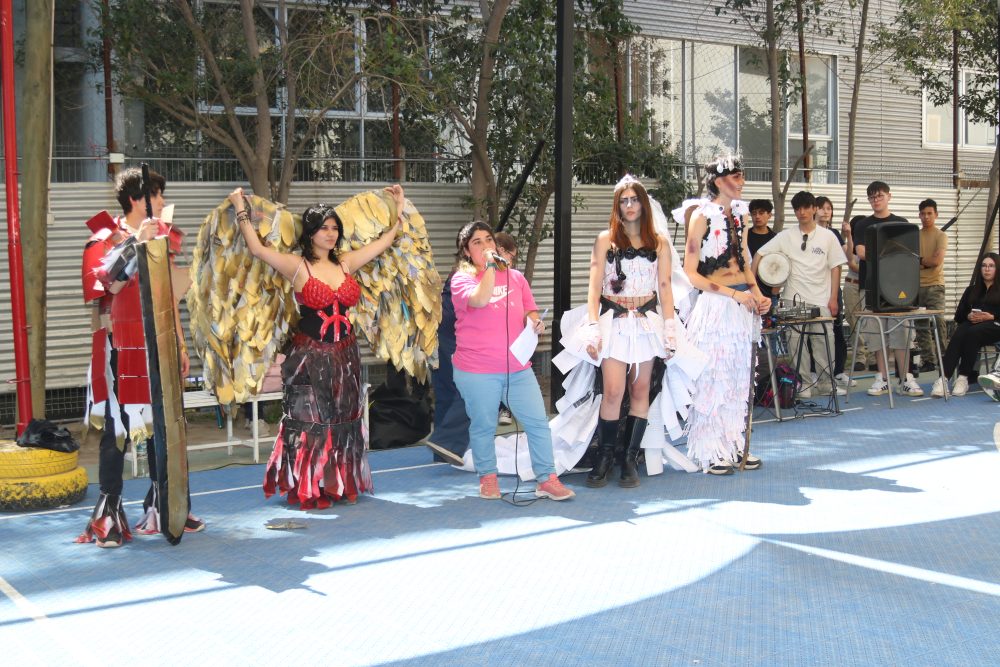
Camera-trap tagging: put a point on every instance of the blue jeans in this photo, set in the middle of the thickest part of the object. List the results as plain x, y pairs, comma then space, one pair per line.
482, 393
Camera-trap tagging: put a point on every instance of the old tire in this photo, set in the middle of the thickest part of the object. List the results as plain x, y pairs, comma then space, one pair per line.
22, 462
32, 493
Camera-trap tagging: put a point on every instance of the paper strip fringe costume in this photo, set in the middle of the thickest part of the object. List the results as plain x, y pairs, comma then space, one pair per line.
243, 312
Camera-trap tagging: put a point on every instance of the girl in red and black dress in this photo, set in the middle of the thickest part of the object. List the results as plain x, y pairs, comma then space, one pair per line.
320, 455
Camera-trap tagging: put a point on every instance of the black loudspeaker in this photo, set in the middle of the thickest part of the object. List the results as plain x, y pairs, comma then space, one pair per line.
892, 252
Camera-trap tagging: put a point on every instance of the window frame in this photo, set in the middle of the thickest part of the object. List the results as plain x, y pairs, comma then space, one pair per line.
963, 124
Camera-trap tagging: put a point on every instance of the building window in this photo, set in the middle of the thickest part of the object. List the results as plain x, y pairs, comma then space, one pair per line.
820, 86
938, 125
711, 98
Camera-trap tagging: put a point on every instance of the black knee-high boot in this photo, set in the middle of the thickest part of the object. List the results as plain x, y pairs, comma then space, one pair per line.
635, 428
607, 434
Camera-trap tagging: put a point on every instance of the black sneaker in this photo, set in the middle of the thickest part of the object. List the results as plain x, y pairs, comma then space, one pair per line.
927, 367
859, 366
193, 524
721, 468
113, 540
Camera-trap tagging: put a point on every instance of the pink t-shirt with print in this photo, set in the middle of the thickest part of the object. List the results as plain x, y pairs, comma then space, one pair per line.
482, 335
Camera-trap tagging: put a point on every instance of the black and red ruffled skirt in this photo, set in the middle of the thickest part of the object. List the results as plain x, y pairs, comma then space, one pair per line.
320, 454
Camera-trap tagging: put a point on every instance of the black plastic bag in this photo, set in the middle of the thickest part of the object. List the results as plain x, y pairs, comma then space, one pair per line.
400, 412
45, 434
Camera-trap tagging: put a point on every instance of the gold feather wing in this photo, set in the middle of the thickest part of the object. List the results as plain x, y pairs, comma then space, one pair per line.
241, 309
400, 307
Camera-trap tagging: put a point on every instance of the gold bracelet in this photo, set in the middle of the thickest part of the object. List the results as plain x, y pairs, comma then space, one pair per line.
734, 290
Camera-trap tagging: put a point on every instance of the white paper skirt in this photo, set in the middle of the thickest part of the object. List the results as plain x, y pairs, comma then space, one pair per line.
726, 332
635, 338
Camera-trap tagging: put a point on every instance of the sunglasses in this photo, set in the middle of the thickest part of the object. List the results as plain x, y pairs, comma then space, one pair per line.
805, 237
629, 201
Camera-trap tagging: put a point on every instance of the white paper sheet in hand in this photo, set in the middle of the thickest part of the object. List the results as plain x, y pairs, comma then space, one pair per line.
524, 345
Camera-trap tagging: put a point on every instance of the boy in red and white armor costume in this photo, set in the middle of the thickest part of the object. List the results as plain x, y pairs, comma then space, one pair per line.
118, 397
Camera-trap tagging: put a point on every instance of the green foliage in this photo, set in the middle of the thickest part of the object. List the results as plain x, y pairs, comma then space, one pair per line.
193, 64
920, 42
522, 103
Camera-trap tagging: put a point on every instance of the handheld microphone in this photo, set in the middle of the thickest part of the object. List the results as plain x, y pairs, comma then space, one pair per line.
499, 259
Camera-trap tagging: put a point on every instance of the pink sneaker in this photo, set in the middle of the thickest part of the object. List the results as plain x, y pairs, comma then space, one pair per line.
554, 489
489, 487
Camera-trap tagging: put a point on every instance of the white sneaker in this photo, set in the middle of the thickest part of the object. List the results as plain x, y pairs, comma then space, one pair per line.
879, 387
937, 391
842, 391
961, 387
909, 387
845, 380
990, 384
505, 417
805, 392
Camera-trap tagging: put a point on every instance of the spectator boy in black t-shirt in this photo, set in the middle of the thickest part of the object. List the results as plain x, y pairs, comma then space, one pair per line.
759, 234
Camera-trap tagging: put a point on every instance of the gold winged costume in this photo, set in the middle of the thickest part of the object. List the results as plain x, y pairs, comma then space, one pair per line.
242, 312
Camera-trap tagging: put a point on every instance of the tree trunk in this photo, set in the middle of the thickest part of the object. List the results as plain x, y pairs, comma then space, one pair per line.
484, 184
852, 115
264, 135
805, 91
619, 99
35, 149
535, 238
994, 185
771, 39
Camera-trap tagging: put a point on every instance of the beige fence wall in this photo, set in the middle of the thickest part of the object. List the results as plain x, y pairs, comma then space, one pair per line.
442, 207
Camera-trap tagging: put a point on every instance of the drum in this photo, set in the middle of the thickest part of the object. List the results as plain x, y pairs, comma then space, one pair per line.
774, 269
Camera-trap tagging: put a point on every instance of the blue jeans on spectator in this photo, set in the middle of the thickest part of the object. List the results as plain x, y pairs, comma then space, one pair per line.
482, 393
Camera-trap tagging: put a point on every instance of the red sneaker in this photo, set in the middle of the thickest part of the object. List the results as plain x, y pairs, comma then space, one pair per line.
554, 489
489, 487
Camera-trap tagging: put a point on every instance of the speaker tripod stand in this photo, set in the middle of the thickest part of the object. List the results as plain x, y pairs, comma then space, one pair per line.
887, 323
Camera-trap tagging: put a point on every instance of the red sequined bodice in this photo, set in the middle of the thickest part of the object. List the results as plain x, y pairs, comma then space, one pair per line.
317, 294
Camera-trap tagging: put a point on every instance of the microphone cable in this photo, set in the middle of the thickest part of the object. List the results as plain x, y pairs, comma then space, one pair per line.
511, 497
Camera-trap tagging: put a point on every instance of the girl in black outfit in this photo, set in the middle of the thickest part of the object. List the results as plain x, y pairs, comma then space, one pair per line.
977, 317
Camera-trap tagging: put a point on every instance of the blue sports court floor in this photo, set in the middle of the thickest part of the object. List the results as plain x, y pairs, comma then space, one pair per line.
866, 539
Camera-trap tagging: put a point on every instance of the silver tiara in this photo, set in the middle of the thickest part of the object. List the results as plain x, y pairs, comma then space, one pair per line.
628, 180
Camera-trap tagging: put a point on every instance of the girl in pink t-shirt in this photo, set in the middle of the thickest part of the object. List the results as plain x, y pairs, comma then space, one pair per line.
493, 304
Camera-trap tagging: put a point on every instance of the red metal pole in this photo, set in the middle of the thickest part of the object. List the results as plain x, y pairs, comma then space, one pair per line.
14, 219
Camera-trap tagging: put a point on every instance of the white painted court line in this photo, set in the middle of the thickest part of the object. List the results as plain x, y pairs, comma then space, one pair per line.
76, 649
919, 573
